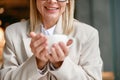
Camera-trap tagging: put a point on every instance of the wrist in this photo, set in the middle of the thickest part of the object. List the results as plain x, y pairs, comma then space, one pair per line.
57, 65
40, 64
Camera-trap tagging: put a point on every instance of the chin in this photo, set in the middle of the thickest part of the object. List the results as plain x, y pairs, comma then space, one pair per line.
53, 16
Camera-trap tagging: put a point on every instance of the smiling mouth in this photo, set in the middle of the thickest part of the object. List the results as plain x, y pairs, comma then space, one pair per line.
51, 8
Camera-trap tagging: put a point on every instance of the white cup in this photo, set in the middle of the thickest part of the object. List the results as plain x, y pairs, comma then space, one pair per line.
56, 38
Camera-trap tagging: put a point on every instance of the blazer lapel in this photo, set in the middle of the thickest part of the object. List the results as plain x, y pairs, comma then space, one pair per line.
26, 42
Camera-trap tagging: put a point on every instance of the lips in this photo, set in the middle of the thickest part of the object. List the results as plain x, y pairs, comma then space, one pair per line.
51, 9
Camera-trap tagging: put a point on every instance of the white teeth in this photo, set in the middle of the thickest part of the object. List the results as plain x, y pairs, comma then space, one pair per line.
52, 8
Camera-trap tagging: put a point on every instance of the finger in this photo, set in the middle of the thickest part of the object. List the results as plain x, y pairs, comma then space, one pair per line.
59, 52
40, 42
35, 36
37, 40
54, 54
70, 41
42, 55
64, 48
32, 34
41, 48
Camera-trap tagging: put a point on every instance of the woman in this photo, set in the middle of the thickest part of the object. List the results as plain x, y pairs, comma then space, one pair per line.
26, 54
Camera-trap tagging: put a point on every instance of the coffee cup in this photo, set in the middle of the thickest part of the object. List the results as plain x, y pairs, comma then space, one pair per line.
56, 38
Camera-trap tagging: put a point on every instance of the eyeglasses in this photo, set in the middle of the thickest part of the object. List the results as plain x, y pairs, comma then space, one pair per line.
59, 0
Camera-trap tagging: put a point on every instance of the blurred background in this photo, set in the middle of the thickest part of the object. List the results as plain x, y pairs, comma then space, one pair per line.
104, 15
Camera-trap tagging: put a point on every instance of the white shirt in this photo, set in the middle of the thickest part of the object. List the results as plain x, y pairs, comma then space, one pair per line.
49, 31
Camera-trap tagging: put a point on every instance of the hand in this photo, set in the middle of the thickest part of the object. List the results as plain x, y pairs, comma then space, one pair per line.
39, 48
58, 53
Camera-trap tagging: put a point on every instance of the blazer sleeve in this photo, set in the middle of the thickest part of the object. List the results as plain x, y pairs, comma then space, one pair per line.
90, 63
12, 70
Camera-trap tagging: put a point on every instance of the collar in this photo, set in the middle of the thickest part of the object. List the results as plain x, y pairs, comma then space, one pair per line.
49, 31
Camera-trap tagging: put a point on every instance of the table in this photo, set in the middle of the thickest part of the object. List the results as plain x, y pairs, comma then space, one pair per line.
108, 76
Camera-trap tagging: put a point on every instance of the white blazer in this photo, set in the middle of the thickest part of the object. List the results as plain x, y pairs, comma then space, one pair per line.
82, 63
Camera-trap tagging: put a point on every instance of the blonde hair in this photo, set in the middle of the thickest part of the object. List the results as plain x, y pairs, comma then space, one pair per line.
67, 17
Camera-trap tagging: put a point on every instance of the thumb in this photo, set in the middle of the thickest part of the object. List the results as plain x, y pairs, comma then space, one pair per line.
32, 34
70, 41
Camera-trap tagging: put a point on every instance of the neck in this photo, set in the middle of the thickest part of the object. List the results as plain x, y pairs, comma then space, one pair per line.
49, 23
